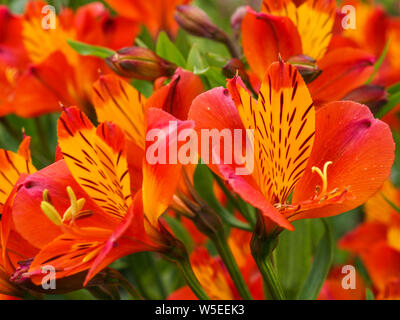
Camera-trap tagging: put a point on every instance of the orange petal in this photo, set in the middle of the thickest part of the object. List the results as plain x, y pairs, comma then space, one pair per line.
133, 220
314, 20
117, 101
39, 42
362, 238
382, 263
97, 160
343, 70
161, 177
157, 15
361, 149
42, 87
334, 290
377, 209
283, 121
265, 37
212, 277
177, 96
12, 165
95, 25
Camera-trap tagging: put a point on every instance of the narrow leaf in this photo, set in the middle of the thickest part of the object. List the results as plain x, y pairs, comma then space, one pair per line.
293, 257
393, 101
394, 88
369, 295
379, 62
89, 50
322, 262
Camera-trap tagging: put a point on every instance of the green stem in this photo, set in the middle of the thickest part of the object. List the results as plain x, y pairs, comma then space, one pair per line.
130, 289
230, 263
270, 277
194, 284
262, 245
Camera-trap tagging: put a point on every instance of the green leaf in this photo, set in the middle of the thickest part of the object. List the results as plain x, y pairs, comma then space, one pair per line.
369, 295
203, 183
89, 50
379, 62
144, 39
391, 203
293, 257
215, 77
195, 61
182, 43
393, 100
167, 50
394, 88
143, 86
322, 262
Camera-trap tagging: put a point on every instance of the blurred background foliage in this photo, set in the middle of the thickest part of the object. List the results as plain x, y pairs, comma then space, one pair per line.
153, 277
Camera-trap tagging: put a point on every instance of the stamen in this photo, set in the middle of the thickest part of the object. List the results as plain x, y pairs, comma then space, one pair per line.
91, 255
72, 198
75, 207
324, 176
46, 195
51, 213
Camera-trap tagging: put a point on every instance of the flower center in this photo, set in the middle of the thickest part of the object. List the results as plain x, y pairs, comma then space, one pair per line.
73, 212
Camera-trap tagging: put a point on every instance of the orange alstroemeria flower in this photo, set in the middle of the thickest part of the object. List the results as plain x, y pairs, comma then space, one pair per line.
284, 29
377, 242
117, 101
332, 159
157, 15
102, 220
45, 70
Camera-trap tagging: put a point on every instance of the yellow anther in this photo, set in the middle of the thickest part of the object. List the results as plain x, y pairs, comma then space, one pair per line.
46, 195
91, 255
72, 198
51, 213
324, 176
75, 207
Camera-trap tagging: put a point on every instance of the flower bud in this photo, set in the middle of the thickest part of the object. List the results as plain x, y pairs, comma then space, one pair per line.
373, 96
307, 67
196, 22
235, 66
140, 63
237, 18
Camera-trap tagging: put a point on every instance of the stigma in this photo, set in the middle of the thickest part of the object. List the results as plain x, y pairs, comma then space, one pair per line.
324, 177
